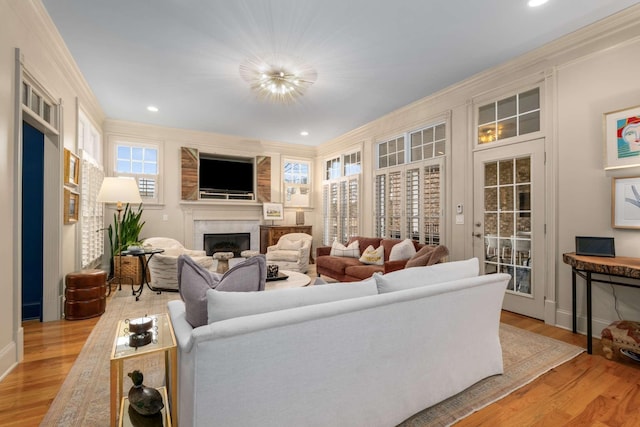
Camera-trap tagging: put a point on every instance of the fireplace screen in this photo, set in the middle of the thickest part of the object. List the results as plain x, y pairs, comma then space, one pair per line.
227, 242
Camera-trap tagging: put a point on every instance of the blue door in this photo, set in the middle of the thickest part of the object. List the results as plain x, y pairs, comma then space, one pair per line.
32, 220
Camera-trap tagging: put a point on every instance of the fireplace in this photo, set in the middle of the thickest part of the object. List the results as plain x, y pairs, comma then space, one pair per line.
226, 242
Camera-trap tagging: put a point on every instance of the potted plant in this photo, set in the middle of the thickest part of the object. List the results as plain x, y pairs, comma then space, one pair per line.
124, 233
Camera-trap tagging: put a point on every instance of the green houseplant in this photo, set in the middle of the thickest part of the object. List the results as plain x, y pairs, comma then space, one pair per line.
124, 233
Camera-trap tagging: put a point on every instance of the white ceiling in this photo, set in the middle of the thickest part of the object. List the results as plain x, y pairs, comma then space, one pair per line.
372, 56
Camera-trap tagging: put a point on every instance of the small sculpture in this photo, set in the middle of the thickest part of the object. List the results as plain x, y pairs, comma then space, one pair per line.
145, 400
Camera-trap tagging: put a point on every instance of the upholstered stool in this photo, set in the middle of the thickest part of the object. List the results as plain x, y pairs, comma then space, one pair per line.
85, 294
248, 254
223, 261
621, 334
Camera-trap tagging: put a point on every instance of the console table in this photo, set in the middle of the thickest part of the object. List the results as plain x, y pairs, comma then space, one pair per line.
586, 266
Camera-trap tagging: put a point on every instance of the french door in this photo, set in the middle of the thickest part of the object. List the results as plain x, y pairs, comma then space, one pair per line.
509, 212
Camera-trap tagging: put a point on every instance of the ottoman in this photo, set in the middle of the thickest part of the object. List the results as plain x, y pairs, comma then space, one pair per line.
85, 294
621, 334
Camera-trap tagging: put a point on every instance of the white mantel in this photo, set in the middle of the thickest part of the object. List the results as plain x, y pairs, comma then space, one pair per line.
208, 226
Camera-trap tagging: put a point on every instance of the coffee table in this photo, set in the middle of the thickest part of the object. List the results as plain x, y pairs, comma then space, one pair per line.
295, 280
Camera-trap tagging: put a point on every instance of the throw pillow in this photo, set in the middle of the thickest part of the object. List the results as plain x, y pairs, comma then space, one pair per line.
427, 255
248, 275
229, 305
289, 245
422, 276
403, 250
193, 283
373, 256
351, 251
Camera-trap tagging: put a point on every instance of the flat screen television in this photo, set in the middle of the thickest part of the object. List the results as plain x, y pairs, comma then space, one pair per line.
226, 175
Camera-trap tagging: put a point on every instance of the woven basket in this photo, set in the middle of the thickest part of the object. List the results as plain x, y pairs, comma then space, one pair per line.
129, 268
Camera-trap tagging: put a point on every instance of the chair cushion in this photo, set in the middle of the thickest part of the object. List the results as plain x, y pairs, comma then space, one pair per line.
282, 255
373, 256
228, 305
351, 251
290, 245
403, 250
422, 276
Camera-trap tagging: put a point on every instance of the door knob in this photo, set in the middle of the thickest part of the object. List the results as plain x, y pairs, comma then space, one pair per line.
478, 235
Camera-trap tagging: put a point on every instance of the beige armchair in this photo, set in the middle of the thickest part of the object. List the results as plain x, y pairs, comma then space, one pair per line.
291, 252
163, 267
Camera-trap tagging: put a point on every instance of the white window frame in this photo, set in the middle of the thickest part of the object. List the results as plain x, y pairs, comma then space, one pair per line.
302, 190
115, 140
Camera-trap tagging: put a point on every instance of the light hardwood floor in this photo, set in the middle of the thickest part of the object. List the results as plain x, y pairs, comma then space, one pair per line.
586, 391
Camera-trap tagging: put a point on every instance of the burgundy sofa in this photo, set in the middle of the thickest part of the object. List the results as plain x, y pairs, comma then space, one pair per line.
345, 269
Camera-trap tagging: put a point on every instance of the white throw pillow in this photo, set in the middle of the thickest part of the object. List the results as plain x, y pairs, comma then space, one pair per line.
228, 305
403, 250
289, 245
373, 256
351, 251
421, 276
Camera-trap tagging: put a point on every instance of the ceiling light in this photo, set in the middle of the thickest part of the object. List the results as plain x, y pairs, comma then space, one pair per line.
536, 3
304, 133
152, 108
279, 80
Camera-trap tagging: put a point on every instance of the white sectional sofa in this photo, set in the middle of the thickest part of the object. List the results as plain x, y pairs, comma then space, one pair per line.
370, 353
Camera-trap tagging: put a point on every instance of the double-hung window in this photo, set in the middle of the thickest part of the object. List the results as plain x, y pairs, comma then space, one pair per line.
341, 197
140, 161
297, 183
408, 185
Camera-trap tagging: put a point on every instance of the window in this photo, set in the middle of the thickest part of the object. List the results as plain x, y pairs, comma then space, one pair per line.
141, 161
91, 212
297, 183
408, 197
35, 99
341, 198
512, 116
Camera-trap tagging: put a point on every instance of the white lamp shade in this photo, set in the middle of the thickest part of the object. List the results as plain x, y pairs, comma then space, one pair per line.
119, 190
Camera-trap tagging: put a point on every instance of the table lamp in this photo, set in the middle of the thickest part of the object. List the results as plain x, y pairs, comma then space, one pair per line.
119, 190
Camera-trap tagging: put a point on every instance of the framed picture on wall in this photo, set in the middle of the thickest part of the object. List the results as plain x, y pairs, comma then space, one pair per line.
71, 206
272, 211
622, 138
71, 169
625, 202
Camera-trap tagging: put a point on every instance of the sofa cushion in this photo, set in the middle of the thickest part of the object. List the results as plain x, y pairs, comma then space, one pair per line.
228, 305
421, 276
373, 256
350, 251
403, 250
248, 275
365, 242
193, 283
337, 264
362, 272
427, 255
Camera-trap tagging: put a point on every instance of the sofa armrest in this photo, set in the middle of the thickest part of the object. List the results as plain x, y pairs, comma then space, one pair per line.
181, 328
323, 250
390, 266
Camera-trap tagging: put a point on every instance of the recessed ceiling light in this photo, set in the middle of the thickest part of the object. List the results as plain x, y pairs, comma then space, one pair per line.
152, 108
536, 3
304, 133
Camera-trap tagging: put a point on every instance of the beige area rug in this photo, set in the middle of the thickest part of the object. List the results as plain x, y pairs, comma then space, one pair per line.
83, 399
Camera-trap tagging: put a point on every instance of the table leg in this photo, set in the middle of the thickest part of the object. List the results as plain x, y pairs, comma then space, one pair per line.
589, 327
573, 300
172, 361
114, 391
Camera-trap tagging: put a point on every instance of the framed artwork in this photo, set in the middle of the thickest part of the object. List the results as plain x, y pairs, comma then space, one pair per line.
272, 211
625, 202
71, 169
622, 138
71, 206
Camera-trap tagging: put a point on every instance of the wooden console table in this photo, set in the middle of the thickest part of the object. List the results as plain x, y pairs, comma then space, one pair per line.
586, 267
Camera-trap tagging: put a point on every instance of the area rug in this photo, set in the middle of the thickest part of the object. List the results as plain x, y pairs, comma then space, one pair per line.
83, 399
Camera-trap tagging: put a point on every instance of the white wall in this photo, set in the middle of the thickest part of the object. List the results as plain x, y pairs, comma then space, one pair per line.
25, 25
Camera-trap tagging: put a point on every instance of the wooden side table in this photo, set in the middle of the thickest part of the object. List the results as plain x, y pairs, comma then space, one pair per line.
163, 340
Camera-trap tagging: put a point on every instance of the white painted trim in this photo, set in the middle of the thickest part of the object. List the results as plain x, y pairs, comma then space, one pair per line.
17, 211
7, 359
565, 321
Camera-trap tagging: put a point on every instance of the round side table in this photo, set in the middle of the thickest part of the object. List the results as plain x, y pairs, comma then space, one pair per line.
223, 261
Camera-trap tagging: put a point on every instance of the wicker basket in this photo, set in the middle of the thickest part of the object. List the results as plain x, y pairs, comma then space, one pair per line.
129, 268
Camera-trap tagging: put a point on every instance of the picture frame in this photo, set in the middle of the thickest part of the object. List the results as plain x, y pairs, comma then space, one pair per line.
625, 202
71, 206
622, 138
71, 169
273, 211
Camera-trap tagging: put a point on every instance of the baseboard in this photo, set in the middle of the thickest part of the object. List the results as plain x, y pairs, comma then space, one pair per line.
8, 359
564, 319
